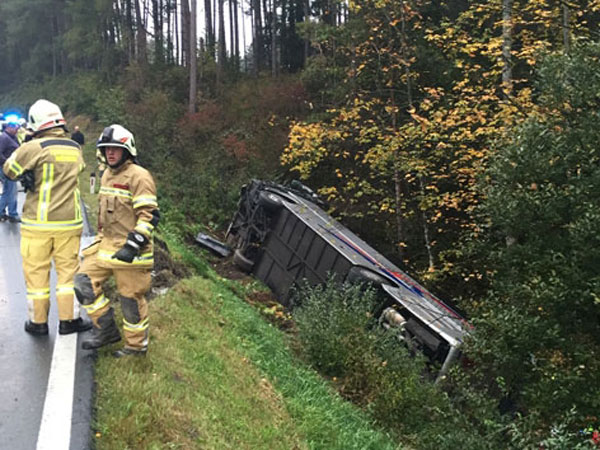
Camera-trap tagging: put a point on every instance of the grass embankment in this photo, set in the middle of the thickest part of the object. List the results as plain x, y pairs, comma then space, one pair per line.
217, 376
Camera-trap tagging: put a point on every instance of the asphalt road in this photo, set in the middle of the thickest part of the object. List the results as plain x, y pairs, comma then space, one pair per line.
25, 368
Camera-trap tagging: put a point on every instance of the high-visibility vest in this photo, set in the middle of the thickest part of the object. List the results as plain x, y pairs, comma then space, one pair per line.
54, 204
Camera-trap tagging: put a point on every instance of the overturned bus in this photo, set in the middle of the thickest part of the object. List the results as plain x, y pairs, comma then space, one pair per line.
282, 235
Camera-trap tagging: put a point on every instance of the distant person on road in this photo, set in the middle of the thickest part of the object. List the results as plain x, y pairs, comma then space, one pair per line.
78, 136
48, 167
8, 198
127, 217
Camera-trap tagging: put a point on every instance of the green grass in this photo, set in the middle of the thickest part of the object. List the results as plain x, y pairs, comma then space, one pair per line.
219, 376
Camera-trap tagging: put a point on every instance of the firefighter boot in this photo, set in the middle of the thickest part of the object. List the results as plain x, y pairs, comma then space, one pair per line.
126, 351
74, 326
105, 333
37, 329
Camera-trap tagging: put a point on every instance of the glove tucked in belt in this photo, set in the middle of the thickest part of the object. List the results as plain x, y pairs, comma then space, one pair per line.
134, 244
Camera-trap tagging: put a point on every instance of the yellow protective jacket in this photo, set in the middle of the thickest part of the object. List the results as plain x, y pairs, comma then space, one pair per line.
127, 202
54, 205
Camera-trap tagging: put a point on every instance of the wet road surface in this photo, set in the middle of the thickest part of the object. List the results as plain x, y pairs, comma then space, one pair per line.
25, 363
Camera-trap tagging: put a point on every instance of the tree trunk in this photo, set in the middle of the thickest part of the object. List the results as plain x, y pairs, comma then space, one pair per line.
158, 47
507, 47
231, 29
169, 45
283, 36
128, 33
221, 44
208, 23
185, 32
257, 43
193, 61
566, 27
426, 238
236, 34
244, 37
141, 54
265, 13
116, 21
306, 38
177, 52
214, 24
274, 64
400, 238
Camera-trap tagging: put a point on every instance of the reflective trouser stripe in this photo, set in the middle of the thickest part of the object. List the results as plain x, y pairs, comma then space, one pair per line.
100, 302
65, 294
136, 335
38, 305
38, 294
137, 327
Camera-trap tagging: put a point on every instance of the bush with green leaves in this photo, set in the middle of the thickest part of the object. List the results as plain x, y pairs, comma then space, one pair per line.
335, 325
342, 339
538, 331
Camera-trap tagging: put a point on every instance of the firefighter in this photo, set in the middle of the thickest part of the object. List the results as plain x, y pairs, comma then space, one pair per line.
127, 216
48, 167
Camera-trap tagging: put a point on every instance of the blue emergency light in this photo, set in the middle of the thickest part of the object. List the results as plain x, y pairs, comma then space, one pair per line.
12, 118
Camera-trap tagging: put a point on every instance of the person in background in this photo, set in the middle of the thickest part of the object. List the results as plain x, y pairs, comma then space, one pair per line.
78, 136
48, 167
8, 198
101, 163
127, 217
23, 134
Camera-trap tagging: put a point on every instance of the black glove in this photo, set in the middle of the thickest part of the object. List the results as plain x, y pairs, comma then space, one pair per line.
135, 242
28, 181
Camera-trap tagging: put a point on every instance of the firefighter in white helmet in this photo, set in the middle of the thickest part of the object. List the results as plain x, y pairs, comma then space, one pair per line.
48, 167
127, 216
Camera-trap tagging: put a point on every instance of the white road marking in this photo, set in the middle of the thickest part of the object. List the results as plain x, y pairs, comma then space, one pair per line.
55, 429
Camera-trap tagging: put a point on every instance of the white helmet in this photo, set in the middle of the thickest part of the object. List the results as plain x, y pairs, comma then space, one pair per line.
44, 115
117, 136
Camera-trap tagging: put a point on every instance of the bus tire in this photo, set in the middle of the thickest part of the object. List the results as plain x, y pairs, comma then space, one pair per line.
245, 264
270, 202
357, 275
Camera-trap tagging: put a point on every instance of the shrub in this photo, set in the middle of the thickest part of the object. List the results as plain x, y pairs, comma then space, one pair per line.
334, 322
341, 338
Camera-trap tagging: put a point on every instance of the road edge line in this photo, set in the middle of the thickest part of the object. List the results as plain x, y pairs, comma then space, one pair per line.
55, 427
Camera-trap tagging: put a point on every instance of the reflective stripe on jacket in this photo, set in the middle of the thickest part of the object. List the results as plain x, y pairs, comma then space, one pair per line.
54, 204
127, 200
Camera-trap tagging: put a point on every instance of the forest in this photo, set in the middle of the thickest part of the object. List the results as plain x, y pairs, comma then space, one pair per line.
459, 138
